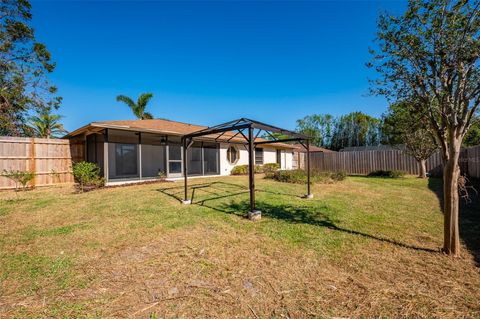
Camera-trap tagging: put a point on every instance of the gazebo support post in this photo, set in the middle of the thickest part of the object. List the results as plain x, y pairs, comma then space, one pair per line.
185, 200
240, 125
309, 193
253, 214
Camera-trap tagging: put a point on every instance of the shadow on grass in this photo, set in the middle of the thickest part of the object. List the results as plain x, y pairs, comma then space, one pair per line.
288, 213
214, 188
469, 216
307, 215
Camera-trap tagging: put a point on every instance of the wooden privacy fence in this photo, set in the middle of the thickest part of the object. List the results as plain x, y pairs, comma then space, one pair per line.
50, 159
364, 162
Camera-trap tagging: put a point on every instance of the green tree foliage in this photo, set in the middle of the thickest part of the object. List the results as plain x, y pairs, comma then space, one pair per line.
139, 107
356, 129
273, 136
46, 125
319, 127
472, 138
353, 129
24, 64
432, 53
404, 124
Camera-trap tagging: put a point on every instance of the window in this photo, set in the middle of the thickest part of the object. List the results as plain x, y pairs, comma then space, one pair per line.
279, 157
258, 156
233, 154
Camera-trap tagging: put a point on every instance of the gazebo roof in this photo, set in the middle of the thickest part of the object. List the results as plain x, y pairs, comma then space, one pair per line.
240, 125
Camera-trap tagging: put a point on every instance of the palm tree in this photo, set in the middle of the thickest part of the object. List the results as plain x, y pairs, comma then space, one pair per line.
138, 108
46, 125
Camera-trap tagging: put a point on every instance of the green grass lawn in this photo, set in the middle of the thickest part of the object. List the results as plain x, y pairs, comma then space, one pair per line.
364, 247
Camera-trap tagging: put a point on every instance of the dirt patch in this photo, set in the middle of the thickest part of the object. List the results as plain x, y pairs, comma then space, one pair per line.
226, 274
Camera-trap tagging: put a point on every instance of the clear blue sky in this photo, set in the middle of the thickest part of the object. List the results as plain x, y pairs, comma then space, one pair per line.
210, 62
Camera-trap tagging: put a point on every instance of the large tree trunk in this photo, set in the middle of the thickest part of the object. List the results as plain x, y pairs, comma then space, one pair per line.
423, 168
451, 173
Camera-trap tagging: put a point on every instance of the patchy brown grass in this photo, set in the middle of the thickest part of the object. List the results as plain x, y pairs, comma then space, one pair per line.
362, 248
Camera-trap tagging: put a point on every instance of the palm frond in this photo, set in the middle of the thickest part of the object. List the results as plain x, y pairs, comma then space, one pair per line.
125, 99
138, 108
46, 125
144, 99
147, 116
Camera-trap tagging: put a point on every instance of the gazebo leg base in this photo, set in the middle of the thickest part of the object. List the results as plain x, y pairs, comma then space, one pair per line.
308, 196
186, 202
255, 215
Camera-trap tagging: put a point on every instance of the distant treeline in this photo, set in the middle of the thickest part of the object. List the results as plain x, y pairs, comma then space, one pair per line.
355, 129
335, 133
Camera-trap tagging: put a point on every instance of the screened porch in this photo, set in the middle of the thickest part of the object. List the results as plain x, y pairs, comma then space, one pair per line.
126, 155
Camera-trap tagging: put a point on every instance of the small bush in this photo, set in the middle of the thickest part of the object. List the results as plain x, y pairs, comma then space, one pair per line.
266, 168
387, 174
300, 176
240, 170
87, 174
338, 176
270, 167
161, 175
19, 177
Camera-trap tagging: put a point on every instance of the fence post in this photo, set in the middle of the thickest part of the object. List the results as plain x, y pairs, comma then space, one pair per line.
33, 165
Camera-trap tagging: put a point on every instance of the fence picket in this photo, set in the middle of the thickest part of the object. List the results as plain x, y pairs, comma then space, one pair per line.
50, 159
364, 162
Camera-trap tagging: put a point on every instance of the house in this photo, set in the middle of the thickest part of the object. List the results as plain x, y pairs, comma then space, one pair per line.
299, 151
139, 150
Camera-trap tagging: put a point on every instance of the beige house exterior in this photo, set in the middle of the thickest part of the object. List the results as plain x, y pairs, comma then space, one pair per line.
141, 150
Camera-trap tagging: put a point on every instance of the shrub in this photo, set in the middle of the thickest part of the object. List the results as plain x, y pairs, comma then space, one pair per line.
270, 167
338, 176
161, 175
87, 174
266, 168
300, 176
387, 174
240, 170
19, 177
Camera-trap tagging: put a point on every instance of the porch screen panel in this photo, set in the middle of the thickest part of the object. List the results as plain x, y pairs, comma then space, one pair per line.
210, 159
95, 150
153, 155
123, 156
127, 137
194, 159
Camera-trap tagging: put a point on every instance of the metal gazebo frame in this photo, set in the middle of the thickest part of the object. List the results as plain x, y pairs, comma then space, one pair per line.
239, 126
